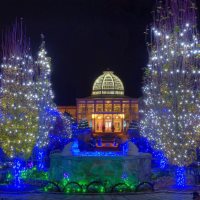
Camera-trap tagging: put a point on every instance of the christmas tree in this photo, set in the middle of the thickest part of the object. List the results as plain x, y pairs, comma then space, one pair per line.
171, 112
83, 125
18, 102
70, 125
45, 102
18, 106
67, 125
61, 133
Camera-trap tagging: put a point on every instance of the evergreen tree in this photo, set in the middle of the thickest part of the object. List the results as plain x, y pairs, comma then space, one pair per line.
18, 101
61, 133
45, 96
83, 125
70, 125
171, 114
133, 130
45, 102
67, 125
18, 106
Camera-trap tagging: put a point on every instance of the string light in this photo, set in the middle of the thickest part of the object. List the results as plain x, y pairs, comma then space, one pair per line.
18, 106
180, 176
171, 110
44, 97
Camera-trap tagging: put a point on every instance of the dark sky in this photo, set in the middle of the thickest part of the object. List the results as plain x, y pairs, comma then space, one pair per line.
84, 37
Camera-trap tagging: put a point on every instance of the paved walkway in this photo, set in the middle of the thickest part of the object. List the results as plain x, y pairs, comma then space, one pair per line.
150, 196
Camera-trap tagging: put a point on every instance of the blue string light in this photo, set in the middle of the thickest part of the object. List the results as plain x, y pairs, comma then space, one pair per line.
40, 159
161, 159
98, 153
145, 146
17, 168
75, 148
180, 177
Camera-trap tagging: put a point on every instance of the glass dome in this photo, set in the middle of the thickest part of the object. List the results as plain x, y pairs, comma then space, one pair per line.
108, 84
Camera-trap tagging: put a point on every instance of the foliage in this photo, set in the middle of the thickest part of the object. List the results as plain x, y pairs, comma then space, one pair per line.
159, 160
83, 125
45, 96
61, 133
67, 186
171, 110
18, 106
73, 125
34, 174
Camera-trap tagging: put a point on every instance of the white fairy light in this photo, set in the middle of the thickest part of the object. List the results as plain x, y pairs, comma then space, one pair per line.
171, 112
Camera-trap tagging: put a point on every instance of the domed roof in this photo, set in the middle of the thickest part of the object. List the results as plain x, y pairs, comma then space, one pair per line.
108, 84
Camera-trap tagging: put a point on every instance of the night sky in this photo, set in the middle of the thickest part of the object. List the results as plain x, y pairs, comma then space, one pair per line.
85, 37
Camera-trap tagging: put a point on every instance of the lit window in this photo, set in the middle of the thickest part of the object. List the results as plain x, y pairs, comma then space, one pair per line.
108, 83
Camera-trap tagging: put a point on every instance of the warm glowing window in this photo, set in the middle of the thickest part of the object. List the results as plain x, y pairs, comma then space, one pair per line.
125, 107
90, 108
117, 107
108, 107
81, 108
99, 108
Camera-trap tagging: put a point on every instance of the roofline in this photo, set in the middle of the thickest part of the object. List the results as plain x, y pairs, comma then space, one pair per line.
107, 97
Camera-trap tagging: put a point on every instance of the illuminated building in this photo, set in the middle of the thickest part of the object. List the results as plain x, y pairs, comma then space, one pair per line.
107, 109
69, 109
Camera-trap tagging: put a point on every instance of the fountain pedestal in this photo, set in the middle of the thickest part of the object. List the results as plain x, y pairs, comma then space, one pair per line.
97, 167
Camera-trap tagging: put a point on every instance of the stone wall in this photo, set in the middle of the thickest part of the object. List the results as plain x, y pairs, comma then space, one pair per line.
84, 169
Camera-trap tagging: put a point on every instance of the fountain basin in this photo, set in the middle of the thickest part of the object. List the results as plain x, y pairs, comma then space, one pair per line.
109, 167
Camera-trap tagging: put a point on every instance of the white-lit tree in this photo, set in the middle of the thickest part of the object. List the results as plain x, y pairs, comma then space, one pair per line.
67, 124
171, 111
17, 96
46, 106
18, 105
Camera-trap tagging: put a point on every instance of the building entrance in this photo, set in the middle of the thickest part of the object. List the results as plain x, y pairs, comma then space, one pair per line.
107, 123
108, 126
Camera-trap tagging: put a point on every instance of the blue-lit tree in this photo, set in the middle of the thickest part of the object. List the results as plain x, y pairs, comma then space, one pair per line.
83, 126
171, 112
84, 134
72, 125
61, 133
67, 125
133, 129
46, 106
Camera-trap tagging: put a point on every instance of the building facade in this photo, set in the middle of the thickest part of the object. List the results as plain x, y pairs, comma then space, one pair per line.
107, 110
69, 109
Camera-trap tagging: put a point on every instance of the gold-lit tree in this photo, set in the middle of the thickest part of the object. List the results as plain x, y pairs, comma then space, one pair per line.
171, 112
18, 106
